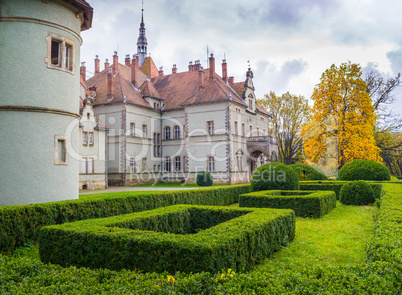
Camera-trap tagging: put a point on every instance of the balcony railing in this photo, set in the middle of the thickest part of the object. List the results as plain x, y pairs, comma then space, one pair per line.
266, 139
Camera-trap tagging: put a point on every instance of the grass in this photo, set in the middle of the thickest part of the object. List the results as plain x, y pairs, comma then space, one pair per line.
337, 239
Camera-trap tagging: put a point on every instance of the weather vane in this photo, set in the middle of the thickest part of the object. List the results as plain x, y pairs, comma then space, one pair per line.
248, 62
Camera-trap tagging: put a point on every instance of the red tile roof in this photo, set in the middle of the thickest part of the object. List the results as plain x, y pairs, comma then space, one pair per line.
122, 87
148, 90
149, 68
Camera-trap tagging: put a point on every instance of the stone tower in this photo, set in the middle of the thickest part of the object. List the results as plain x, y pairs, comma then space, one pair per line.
39, 101
142, 41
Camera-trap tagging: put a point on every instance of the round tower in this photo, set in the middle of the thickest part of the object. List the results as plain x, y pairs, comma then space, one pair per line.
39, 101
142, 43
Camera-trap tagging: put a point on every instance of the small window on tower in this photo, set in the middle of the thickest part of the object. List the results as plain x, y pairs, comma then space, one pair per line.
55, 53
60, 153
69, 59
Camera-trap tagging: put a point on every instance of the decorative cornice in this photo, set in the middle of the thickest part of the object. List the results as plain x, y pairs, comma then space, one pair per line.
40, 22
39, 110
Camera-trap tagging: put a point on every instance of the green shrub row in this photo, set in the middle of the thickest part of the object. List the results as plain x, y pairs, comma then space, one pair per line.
336, 186
387, 242
304, 203
307, 172
22, 275
357, 192
21, 223
176, 238
364, 170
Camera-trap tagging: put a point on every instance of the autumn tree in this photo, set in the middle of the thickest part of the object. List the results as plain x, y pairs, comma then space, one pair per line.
343, 118
289, 113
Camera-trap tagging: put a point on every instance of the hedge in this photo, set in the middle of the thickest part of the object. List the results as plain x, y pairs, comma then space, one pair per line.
23, 222
336, 186
381, 275
364, 170
304, 203
358, 193
274, 176
183, 238
307, 172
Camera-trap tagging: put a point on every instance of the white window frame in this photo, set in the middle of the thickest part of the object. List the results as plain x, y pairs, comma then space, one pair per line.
144, 131
211, 164
177, 164
168, 164
132, 165
211, 127
176, 132
236, 128
132, 129
144, 164
84, 137
91, 138
243, 129
167, 132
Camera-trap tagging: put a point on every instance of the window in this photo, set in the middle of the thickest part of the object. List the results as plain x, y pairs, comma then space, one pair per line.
250, 104
239, 162
84, 137
155, 168
243, 129
87, 165
211, 164
167, 164
157, 106
210, 127
167, 132
144, 131
236, 131
60, 53
88, 116
177, 164
132, 129
60, 150
132, 165
144, 164
157, 144
90, 138
258, 131
238, 110
251, 130
177, 132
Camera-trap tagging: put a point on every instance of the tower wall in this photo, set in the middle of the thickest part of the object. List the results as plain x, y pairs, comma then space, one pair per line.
39, 101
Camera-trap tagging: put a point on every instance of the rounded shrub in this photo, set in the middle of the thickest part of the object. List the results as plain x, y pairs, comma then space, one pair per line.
274, 176
204, 178
307, 172
356, 193
364, 170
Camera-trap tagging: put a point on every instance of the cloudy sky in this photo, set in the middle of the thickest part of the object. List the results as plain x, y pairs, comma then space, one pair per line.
289, 43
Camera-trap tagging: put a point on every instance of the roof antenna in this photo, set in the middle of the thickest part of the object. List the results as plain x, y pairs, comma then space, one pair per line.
224, 55
249, 64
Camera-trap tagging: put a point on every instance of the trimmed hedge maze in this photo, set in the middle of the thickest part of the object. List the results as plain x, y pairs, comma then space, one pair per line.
177, 238
21, 223
304, 203
336, 186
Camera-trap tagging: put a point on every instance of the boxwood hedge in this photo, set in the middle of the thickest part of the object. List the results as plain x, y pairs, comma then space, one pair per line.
20, 223
304, 203
364, 170
336, 186
307, 172
176, 238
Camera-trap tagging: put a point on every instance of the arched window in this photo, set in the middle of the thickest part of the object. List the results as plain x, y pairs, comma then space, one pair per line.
177, 132
167, 132
177, 164
168, 166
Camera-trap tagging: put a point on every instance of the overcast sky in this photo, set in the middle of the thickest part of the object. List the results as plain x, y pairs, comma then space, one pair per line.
289, 43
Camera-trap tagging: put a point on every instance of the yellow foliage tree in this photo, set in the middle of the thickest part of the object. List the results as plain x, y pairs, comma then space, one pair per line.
342, 123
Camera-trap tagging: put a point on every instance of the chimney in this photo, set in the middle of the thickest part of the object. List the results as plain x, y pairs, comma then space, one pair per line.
106, 64
197, 65
190, 66
231, 80
110, 83
160, 71
224, 70
134, 68
127, 60
201, 78
174, 69
97, 64
211, 67
83, 71
115, 63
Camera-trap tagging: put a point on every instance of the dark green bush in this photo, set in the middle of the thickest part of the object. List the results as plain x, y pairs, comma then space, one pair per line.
336, 186
364, 170
274, 176
21, 223
304, 203
307, 172
204, 178
356, 193
183, 238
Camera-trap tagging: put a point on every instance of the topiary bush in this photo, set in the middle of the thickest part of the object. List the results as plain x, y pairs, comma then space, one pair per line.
356, 193
307, 172
364, 170
204, 178
274, 176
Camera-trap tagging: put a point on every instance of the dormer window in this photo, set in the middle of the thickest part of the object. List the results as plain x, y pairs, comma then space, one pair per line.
250, 104
88, 116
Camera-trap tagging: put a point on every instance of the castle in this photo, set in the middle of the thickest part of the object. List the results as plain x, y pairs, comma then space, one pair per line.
168, 127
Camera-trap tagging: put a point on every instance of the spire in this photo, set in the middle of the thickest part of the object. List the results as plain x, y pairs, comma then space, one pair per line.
142, 40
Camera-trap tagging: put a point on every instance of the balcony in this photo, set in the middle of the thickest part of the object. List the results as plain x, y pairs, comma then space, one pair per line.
263, 139
260, 144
